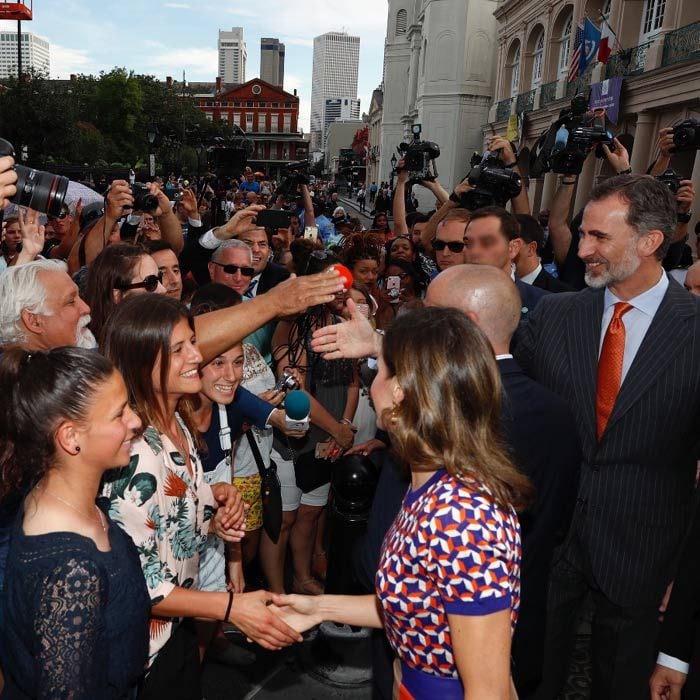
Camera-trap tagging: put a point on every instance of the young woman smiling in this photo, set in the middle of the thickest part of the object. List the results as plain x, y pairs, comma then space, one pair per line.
163, 501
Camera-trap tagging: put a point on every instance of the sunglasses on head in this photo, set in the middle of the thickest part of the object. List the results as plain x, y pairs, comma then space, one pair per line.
231, 269
149, 283
452, 246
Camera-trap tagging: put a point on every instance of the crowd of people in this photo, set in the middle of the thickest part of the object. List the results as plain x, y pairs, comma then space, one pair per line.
525, 383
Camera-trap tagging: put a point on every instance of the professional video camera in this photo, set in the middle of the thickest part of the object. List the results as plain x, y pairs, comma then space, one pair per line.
686, 136
564, 146
671, 179
227, 157
294, 173
36, 189
419, 157
493, 183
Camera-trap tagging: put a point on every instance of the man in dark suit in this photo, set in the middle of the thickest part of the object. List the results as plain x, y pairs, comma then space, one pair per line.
541, 433
492, 237
679, 646
528, 266
623, 355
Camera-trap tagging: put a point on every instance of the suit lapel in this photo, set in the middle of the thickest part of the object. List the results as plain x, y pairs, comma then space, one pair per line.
667, 334
583, 339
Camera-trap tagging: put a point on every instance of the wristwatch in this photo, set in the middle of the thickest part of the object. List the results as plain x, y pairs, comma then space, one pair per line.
684, 218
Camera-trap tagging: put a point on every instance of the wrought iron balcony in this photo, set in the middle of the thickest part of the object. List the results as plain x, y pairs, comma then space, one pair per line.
628, 62
682, 45
525, 102
503, 109
548, 93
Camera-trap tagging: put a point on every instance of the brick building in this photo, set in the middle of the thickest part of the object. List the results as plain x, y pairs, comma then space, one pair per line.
267, 114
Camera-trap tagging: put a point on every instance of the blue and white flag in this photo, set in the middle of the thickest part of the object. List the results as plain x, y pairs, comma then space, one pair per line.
591, 41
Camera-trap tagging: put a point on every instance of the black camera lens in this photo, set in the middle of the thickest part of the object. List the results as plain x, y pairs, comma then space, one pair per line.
44, 192
39, 190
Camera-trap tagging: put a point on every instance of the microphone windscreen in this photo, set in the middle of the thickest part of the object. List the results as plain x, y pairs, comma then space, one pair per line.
297, 405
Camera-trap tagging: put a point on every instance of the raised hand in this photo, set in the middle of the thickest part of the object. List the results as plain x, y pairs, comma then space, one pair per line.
32, 236
352, 339
8, 178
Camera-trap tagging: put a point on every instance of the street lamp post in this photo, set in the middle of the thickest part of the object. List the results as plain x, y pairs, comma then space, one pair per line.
151, 135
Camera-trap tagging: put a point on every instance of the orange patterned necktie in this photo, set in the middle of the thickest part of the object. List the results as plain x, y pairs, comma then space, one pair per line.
610, 367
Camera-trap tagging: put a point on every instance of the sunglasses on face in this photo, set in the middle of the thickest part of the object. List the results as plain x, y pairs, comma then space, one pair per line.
61, 215
233, 269
452, 246
149, 283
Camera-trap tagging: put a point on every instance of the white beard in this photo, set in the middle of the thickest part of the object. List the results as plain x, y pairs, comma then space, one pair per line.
84, 337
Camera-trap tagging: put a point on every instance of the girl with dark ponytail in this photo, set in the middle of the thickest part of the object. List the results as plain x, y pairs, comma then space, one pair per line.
75, 606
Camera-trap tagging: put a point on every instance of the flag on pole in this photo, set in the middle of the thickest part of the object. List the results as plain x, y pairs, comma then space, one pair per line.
606, 41
575, 63
591, 41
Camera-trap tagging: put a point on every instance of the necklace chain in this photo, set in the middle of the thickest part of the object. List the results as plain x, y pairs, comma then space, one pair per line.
99, 518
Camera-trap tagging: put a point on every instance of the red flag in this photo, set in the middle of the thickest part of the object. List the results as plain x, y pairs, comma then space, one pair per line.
606, 40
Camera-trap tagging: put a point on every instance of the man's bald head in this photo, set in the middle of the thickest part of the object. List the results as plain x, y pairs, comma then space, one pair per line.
692, 278
484, 293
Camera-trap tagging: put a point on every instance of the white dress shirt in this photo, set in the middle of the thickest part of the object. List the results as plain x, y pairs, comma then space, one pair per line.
530, 277
637, 320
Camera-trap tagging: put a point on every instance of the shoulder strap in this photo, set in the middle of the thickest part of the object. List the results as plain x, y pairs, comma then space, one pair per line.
256, 452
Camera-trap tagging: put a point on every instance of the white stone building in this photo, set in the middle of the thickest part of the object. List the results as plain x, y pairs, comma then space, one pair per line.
439, 67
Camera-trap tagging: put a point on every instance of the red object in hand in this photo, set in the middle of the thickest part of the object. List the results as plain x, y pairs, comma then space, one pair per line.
345, 274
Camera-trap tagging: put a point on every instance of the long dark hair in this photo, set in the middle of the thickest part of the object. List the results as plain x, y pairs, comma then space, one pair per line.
137, 334
40, 390
450, 413
112, 268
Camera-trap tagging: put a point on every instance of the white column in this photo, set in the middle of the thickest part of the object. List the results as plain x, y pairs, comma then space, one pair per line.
643, 142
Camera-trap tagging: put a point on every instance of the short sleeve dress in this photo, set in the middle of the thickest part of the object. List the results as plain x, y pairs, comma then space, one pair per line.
451, 550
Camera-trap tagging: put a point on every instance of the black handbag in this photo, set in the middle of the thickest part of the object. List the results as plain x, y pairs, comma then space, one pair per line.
270, 492
311, 471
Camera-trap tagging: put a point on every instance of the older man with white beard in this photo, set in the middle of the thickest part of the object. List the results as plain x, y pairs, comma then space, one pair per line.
40, 308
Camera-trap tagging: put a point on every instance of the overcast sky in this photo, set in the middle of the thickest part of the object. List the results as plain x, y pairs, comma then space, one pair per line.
165, 38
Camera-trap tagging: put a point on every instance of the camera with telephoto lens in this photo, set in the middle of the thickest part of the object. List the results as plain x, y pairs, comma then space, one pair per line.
286, 382
419, 157
563, 147
671, 179
294, 173
493, 183
44, 192
686, 136
143, 199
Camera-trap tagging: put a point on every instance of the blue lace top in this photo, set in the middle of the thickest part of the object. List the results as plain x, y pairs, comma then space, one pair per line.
76, 618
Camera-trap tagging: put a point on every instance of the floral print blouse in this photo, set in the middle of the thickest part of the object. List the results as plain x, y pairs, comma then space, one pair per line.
166, 512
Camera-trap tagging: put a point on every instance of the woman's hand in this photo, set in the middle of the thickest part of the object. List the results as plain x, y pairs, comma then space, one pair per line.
344, 435
366, 448
272, 396
278, 419
229, 521
32, 235
301, 612
252, 615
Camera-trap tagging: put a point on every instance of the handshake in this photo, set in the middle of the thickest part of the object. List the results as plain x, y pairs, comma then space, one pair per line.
275, 620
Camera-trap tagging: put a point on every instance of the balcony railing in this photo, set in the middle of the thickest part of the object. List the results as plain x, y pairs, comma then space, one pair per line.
628, 62
682, 45
525, 102
548, 93
503, 109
